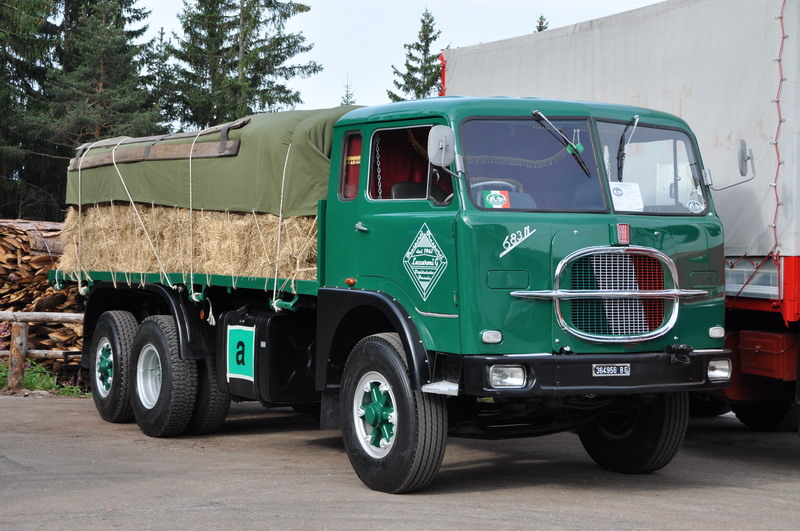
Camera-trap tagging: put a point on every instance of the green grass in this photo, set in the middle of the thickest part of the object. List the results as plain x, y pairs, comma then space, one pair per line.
39, 378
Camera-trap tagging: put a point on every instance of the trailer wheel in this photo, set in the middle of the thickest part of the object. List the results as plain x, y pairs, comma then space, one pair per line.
163, 385
211, 405
775, 415
395, 437
642, 440
109, 362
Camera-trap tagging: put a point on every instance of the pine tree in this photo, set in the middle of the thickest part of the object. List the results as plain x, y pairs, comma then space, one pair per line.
349, 97
422, 72
234, 58
541, 24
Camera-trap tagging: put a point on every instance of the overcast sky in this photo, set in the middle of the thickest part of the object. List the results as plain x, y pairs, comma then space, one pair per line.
360, 40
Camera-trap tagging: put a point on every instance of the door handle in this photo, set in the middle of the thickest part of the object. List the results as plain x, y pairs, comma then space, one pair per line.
361, 228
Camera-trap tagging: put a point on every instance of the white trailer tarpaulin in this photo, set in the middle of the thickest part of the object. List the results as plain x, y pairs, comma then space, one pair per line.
712, 62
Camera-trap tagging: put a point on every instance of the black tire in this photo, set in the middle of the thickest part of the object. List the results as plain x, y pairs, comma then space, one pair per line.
702, 405
639, 441
775, 415
162, 405
417, 431
211, 405
109, 363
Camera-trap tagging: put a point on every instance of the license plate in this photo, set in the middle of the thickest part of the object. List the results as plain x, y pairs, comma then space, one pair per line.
611, 369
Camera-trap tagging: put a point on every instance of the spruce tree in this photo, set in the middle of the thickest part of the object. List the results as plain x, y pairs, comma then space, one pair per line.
349, 97
234, 59
99, 91
161, 80
26, 41
542, 24
422, 76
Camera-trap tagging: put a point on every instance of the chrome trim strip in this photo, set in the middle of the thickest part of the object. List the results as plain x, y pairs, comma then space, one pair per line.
719, 351
431, 314
609, 294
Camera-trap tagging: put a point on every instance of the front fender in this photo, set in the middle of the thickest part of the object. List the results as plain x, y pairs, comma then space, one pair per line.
346, 316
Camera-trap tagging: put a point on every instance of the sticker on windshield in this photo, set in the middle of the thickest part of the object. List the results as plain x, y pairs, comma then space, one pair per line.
627, 197
496, 199
694, 206
425, 262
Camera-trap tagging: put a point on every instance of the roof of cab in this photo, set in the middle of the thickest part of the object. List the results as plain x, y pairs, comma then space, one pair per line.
457, 108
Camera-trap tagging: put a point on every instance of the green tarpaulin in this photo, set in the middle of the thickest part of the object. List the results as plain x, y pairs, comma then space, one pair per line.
249, 180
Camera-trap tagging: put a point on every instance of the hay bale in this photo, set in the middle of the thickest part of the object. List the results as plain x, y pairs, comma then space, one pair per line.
110, 237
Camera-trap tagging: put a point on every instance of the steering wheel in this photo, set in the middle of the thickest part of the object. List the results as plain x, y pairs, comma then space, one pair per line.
493, 185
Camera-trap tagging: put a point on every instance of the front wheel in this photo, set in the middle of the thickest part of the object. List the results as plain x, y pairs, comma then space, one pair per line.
639, 440
395, 437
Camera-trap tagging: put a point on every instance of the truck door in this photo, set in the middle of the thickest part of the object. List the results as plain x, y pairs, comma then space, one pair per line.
394, 230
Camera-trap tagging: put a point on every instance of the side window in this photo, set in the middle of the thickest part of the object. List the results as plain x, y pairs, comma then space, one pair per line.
400, 168
351, 167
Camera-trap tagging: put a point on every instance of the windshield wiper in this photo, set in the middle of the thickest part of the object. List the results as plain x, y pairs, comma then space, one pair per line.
573, 149
623, 145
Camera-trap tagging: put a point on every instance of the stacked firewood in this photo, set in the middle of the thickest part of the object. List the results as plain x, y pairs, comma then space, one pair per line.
28, 251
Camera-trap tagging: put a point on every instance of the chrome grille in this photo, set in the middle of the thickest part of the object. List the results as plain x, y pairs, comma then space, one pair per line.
615, 294
613, 316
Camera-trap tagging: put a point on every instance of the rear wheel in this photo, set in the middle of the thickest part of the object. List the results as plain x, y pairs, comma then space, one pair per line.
775, 415
109, 362
211, 406
641, 440
163, 385
395, 437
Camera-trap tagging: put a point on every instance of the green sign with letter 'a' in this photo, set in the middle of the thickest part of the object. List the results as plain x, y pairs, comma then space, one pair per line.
241, 348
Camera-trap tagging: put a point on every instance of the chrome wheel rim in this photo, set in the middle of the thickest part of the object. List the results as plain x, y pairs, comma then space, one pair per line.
148, 376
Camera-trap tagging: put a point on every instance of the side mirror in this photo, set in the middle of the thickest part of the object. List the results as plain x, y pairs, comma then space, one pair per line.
441, 146
744, 155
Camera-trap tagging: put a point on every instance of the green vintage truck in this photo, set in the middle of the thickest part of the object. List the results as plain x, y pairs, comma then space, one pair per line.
488, 268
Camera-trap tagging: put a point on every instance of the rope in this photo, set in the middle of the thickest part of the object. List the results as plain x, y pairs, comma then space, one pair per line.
280, 228
191, 216
774, 254
230, 224
138, 216
263, 242
80, 216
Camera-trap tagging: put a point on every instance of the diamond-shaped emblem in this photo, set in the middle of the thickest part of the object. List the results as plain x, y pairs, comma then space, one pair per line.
425, 262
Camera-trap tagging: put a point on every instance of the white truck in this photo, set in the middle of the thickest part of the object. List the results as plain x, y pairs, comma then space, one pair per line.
730, 69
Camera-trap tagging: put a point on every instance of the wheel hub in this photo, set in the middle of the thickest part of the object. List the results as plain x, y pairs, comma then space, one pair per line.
378, 410
375, 419
104, 368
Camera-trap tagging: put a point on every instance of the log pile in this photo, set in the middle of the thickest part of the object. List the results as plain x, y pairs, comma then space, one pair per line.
28, 251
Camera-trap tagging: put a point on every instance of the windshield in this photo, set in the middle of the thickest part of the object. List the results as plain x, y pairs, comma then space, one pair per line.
651, 169
523, 164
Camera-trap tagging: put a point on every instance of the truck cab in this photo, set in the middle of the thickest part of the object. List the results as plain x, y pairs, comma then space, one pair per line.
560, 269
